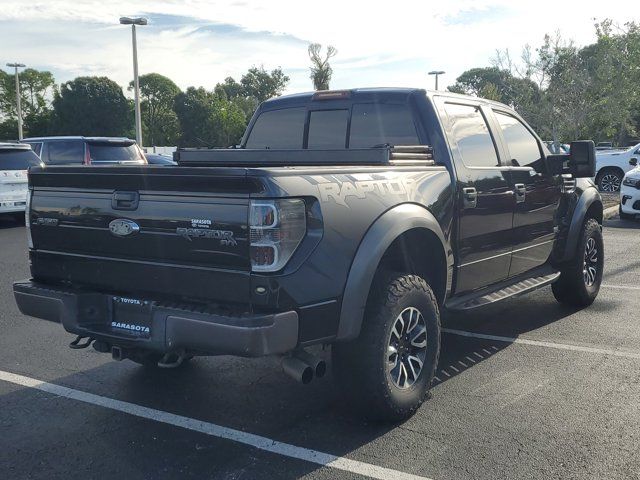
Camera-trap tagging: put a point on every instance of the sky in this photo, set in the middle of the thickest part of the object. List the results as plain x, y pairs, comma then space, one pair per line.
201, 42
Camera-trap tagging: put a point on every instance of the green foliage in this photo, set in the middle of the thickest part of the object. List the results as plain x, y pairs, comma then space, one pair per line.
159, 121
91, 106
36, 90
321, 70
568, 93
208, 119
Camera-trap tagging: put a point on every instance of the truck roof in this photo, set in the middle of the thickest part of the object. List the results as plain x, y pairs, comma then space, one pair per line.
364, 94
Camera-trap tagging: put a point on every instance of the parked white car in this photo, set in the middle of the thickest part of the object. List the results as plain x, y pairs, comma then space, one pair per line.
630, 193
15, 160
611, 166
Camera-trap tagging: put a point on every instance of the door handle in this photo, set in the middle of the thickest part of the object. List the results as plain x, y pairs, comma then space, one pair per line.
469, 197
520, 191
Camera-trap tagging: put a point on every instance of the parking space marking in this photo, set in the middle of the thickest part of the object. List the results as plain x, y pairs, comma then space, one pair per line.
213, 430
538, 343
621, 287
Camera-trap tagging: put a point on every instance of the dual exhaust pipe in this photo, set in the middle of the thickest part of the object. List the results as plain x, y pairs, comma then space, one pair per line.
303, 366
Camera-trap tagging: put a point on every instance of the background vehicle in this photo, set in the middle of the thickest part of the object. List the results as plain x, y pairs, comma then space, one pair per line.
15, 160
562, 148
611, 167
348, 218
630, 192
86, 150
604, 146
159, 159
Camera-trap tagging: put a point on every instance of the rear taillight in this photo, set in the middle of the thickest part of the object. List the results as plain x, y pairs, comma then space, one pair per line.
27, 218
276, 229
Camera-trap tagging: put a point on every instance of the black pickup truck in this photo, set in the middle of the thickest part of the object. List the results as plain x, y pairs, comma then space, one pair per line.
350, 218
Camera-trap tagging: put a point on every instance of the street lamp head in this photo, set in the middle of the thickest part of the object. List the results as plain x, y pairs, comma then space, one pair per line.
16, 65
437, 72
133, 20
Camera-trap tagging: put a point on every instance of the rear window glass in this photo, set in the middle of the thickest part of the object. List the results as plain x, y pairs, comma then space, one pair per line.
379, 123
328, 129
66, 152
278, 129
18, 159
104, 152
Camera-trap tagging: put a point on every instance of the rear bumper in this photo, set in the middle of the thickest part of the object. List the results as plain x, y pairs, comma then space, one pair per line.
171, 328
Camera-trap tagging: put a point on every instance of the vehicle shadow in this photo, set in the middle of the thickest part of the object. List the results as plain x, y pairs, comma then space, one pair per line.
249, 395
11, 221
616, 222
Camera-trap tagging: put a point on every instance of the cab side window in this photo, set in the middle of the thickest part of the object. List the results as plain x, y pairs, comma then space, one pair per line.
471, 134
523, 146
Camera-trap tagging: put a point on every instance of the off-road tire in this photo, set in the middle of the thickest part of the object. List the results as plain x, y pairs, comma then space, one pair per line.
361, 366
572, 287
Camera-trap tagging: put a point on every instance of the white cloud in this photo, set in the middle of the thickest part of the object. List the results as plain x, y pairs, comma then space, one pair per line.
379, 43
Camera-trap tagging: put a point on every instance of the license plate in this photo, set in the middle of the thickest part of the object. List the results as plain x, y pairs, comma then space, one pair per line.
131, 316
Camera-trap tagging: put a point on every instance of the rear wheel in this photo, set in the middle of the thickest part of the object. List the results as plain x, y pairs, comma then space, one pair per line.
609, 180
386, 372
580, 280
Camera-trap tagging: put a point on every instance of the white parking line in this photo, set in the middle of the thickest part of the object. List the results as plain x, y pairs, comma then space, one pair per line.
559, 346
213, 430
621, 287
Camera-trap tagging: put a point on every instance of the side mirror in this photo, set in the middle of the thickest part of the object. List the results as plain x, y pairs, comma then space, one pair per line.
582, 159
557, 163
633, 162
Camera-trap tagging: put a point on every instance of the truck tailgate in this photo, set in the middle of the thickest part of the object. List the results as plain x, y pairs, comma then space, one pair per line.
165, 231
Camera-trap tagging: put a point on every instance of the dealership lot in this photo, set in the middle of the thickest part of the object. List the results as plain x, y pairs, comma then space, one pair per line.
543, 392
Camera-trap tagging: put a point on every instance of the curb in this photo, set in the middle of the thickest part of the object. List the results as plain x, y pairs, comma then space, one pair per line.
610, 212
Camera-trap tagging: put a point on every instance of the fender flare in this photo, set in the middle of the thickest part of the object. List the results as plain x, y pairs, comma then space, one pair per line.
378, 238
588, 197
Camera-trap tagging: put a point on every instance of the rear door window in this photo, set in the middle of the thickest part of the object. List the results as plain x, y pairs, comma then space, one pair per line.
328, 129
375, 124
471, 134
66, 152
18, 159
278, 129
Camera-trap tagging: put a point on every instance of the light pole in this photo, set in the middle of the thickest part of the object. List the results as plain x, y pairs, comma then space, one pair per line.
136, 86
437, 73
18, 105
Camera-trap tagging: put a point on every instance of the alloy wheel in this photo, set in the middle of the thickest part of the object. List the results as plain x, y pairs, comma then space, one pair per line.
610, 183
407, 348
590, 266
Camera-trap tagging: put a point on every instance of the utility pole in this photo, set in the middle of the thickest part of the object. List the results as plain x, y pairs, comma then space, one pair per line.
437, 73
136, 85
18, 103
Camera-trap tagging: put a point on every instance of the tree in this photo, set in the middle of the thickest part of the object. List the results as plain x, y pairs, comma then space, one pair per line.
36, 90
321, 70
157, 95
208, 119
263, 85
91, 106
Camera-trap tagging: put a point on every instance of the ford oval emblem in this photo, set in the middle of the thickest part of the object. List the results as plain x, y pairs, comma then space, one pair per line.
122, 227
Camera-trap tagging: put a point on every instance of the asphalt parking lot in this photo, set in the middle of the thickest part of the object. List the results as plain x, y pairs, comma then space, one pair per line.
525, 389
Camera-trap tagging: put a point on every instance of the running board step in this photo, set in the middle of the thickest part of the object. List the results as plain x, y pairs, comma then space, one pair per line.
475, 300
